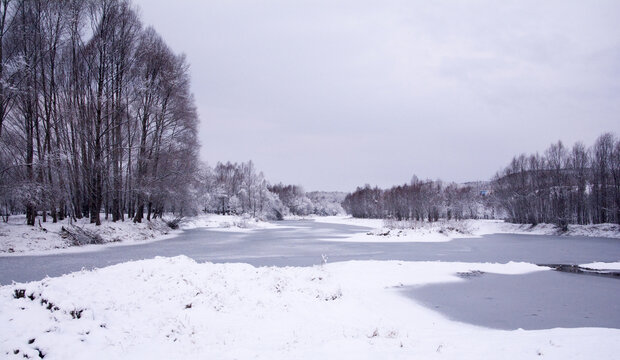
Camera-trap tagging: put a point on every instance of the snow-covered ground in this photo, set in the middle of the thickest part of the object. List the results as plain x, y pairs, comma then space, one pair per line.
17, 238
440, 231
602, 266
232, 223
176, 308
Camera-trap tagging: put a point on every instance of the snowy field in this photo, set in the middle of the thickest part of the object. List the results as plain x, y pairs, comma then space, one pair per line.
442, 230
176, 308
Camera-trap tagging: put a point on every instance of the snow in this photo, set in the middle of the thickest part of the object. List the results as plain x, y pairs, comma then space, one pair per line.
17, 238
602, 266
349, 220
230, 223
499, 226
444, 230
176, 308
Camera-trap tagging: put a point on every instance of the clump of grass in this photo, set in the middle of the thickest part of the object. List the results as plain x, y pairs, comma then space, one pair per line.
79, 236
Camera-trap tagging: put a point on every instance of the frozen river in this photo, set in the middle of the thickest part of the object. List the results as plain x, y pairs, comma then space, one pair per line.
485, 300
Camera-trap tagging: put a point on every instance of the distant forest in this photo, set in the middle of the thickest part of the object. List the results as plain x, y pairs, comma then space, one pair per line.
577, 185
231, 188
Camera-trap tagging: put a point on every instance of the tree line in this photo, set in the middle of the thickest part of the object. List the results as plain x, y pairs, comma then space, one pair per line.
232, 188
419, 200
239, 188
301, 203
578, 185
96, 114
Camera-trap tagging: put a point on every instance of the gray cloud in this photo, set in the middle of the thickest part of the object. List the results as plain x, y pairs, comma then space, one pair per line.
331, 95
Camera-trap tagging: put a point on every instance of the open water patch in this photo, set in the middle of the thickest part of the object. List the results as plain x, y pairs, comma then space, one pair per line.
534, 301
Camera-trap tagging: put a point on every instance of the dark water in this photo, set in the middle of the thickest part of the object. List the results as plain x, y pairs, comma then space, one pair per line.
540, 300
502, 301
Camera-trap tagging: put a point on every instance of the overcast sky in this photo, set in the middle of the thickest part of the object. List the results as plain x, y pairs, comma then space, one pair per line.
335, 94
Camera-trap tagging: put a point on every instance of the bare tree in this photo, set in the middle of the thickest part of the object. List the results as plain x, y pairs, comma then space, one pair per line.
96, 114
